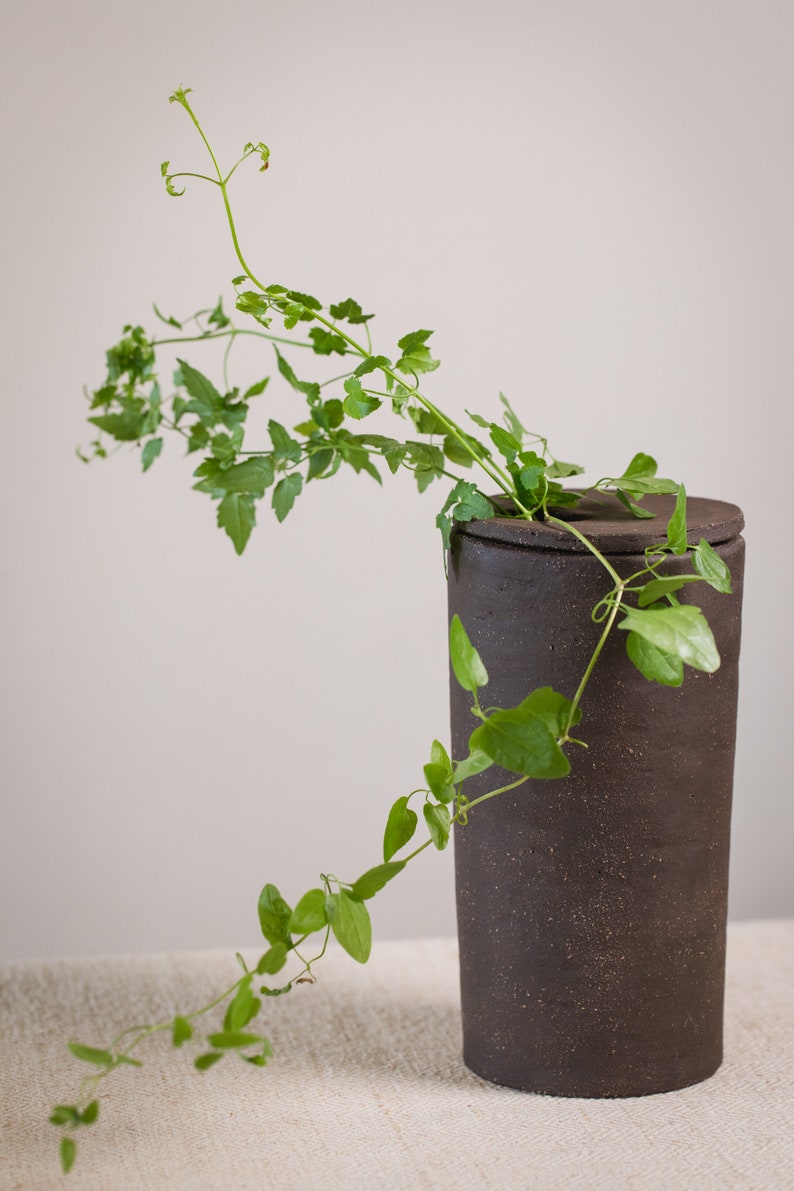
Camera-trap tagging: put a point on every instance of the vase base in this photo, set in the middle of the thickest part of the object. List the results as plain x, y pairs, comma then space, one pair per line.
595, 1086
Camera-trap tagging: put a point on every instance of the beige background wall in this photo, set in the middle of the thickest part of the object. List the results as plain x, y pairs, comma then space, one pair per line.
591, 203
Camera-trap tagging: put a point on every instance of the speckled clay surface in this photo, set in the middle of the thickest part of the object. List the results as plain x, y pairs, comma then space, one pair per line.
591, 910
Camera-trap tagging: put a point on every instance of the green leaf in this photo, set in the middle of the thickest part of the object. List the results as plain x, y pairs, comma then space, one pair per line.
373, 880
476, 762
676, 526
438, 824
557, 470
428, 463
330, 415
425, 421
472, 505
284, 445
217, 317
656, 589
68, 1154
505, 442
151, 449
309, 389
351, 925
552, 707
252, 476
255, 390
274, 916
273, 960
204, 1062
170, 321
286, 493
682, 631
181, 1030
250, 302
413, 340
306, 300
90, 1113
400, 828
358, 404
512, 420
635, 509
325, 342
199, 387
652, 663
309, 914
237, 516
456, 452
438, 773
416, 355
711, 567
319, 462
90, 1054
642, 465
263, 152
641, 485
349, 310
466, 662
394, 456
371, 364
65, 1114
231, 1039
520, 741
124, 427
638, 479
242, 1009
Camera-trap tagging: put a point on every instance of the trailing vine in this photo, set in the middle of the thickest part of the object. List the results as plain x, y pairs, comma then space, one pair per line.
518, 743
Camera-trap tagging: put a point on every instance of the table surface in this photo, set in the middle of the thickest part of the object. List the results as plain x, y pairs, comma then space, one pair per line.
367, 1089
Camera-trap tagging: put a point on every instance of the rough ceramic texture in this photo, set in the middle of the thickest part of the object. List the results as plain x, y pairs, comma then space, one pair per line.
591, 910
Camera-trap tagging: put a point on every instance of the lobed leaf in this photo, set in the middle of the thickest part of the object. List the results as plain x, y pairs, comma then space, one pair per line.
682, 631
358, 403
652, 663
711, 567
325, 342
350, 311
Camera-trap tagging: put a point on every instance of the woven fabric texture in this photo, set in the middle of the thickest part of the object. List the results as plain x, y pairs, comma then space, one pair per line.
367, 1089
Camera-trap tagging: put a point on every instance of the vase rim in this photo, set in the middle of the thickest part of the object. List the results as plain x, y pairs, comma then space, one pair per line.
610, 526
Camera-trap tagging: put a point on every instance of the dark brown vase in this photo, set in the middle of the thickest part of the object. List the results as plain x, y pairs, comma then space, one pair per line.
592, 909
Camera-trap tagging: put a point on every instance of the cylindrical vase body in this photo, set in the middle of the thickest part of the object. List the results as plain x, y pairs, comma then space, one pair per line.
592, 908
